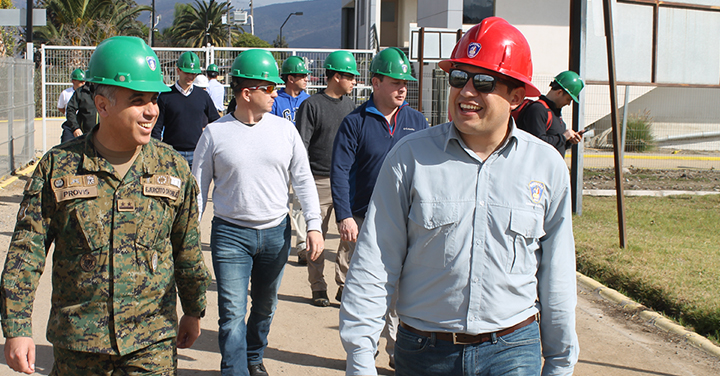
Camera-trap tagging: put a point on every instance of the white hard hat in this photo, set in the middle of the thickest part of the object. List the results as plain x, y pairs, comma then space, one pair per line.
201, 81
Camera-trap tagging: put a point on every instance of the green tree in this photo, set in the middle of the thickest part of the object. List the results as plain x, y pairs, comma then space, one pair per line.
88, 22
280, 43
249, 40
8, 34
201, 23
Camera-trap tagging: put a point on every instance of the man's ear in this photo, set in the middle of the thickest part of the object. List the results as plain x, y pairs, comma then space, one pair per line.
375, 82
245, 95
517, 96
102, 105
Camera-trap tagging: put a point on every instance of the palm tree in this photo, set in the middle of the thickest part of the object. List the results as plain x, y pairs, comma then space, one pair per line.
88, 22
201, 23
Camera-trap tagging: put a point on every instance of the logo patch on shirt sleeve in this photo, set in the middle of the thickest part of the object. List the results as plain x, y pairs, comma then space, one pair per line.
537, 191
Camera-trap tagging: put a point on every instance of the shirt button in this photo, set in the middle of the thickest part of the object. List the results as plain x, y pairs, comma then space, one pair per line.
481, 203
476, 279
471, 319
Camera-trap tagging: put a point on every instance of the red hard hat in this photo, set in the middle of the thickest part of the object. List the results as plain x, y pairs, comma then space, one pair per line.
495, 45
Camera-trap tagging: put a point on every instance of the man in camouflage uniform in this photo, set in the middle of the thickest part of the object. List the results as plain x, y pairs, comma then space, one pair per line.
122, 211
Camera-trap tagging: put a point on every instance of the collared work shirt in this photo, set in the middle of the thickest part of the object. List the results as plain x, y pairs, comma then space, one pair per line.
476, 246
123, 247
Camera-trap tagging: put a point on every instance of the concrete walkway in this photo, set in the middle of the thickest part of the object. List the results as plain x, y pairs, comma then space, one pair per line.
304, 338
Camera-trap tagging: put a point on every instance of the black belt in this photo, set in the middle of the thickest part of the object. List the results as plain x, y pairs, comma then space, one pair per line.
468, 339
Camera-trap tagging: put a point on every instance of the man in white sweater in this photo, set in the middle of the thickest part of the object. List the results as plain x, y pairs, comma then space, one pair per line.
252, 155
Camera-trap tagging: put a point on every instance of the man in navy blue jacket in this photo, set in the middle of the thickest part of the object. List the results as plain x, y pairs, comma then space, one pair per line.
184, 112
361, 144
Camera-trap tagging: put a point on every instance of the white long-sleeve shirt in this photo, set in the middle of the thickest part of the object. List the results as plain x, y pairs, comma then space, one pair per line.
251, 167
476, 246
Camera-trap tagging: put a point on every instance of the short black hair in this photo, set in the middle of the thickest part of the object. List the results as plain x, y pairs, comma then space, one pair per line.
330, 74
556, 86
212, 74
379, 76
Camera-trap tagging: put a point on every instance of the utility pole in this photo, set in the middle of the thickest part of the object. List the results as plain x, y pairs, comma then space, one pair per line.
152, 25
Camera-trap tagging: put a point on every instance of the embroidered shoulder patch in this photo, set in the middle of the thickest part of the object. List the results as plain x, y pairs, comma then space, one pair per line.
537, 191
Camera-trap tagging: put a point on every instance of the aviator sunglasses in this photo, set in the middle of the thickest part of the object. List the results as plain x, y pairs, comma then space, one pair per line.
266, 88
483, 83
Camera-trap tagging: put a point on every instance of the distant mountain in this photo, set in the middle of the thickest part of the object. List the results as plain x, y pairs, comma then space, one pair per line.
318, 27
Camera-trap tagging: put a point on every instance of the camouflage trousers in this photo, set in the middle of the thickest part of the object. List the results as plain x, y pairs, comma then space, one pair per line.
157, 359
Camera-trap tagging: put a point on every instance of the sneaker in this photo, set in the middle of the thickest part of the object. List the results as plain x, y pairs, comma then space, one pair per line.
338, 296
320, 298
257, 370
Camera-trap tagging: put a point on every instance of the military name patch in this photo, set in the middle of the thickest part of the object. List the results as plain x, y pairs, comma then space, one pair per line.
537, 191
70, 193
75, 186
162, 186
161, 191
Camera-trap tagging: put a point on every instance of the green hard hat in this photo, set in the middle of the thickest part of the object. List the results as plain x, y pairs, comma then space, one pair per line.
571, 83
126, 62
212, 68
189, 62
256, 64
294, 65
78, 75
341, 61
393, 63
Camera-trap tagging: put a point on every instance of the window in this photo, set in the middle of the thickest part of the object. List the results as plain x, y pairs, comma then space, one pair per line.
474, 11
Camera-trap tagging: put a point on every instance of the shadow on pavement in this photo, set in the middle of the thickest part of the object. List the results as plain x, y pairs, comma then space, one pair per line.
638, 370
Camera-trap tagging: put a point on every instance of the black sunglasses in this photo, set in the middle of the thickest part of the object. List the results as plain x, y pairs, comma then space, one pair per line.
483, 83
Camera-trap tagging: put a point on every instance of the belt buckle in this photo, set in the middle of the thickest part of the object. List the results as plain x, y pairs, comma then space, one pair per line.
456, 342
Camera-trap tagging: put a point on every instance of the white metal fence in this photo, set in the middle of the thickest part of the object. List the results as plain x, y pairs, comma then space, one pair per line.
57, 63
17, 114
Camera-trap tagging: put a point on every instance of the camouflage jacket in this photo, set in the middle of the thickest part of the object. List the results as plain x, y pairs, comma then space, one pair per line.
121, 247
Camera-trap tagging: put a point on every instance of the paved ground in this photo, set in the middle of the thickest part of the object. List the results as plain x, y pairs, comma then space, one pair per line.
304, 339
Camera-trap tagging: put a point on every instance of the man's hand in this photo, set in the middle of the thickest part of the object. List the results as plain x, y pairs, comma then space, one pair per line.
315, 244
572, 136
348, 229
188, 331
20, 354
77, 132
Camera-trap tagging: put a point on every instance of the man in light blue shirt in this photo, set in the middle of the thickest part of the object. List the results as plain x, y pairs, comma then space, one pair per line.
471, 221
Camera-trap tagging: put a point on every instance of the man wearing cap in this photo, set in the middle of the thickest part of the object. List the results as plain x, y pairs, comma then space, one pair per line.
294, 73
122, 211
543, 118
81, 114
184, 112
251, 156
77, 78
216, 89
318, 119
361, 144
474, 218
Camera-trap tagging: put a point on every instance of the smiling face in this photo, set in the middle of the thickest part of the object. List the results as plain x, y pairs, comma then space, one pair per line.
127, 120
479, 116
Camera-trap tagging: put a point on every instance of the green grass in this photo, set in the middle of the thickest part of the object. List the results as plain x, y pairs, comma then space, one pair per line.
672, 259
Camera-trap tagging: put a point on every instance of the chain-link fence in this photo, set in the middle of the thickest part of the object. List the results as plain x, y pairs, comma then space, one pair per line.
57, 62
666, 127
17, 114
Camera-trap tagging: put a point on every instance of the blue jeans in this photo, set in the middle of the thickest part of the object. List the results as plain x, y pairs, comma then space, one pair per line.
243, 256
515, 354
188, 155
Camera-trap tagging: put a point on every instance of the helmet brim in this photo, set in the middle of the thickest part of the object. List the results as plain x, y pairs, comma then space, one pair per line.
142, 86
574, 97
191, 70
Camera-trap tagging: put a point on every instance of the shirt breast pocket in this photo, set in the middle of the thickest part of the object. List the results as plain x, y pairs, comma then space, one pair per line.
526, 229
432, 231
